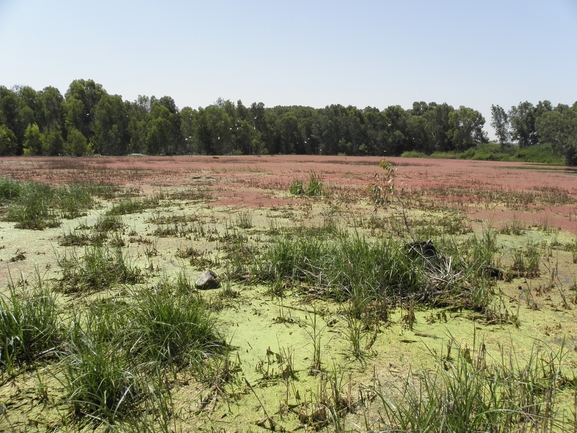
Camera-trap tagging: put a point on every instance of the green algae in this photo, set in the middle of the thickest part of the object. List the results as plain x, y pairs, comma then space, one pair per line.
292, 363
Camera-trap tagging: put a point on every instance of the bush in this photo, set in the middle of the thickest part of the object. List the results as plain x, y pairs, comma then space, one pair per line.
413, 154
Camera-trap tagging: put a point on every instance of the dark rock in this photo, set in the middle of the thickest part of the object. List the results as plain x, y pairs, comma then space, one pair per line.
208, 280
493, 272
424, 249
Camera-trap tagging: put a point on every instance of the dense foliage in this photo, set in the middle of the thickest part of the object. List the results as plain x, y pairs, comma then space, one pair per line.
89, 120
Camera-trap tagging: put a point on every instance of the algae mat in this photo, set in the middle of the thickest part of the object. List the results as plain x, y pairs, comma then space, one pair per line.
297, 361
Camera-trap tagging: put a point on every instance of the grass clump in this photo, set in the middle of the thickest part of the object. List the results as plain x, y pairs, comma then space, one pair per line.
98, 269
36, 206
315, 187
345, 268
468, 394
9, 189
173, 327
572, 247
108, 223
526, 261
130, 206
75, 199
515, 227
122, 355
244, 220
296, 187
33, 208
126, 206
362, 272
80, 237
30, 325
100, 380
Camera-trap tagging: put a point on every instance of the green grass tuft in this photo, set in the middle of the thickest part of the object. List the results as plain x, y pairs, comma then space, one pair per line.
172, 327
98, 269
30, 325
33, 209
469, 394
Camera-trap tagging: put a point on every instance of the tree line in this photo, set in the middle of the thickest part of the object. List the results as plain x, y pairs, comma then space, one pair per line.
529, 125
87, 120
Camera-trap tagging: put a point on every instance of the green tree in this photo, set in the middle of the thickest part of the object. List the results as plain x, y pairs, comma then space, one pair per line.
290, 134
466, 128
522, 120
53, 112
10, 108
76, 144
243, 113
31, 106
437, 126
53, 142
559, 127
111, 126
8, 144
396, 133
81, 99
541, 108
138, 118
258, 116
33, 140
331, 130
420, 108
500, 122
215, 130
158, 136
376, 131
188, 125
418, 139
167, 129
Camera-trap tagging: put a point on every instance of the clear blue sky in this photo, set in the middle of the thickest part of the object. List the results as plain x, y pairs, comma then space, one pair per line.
315, 53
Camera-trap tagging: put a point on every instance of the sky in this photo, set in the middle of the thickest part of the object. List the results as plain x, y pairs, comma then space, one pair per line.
376, 53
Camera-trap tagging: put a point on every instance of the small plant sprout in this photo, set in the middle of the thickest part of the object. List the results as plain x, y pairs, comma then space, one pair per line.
315, 331
244, 220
